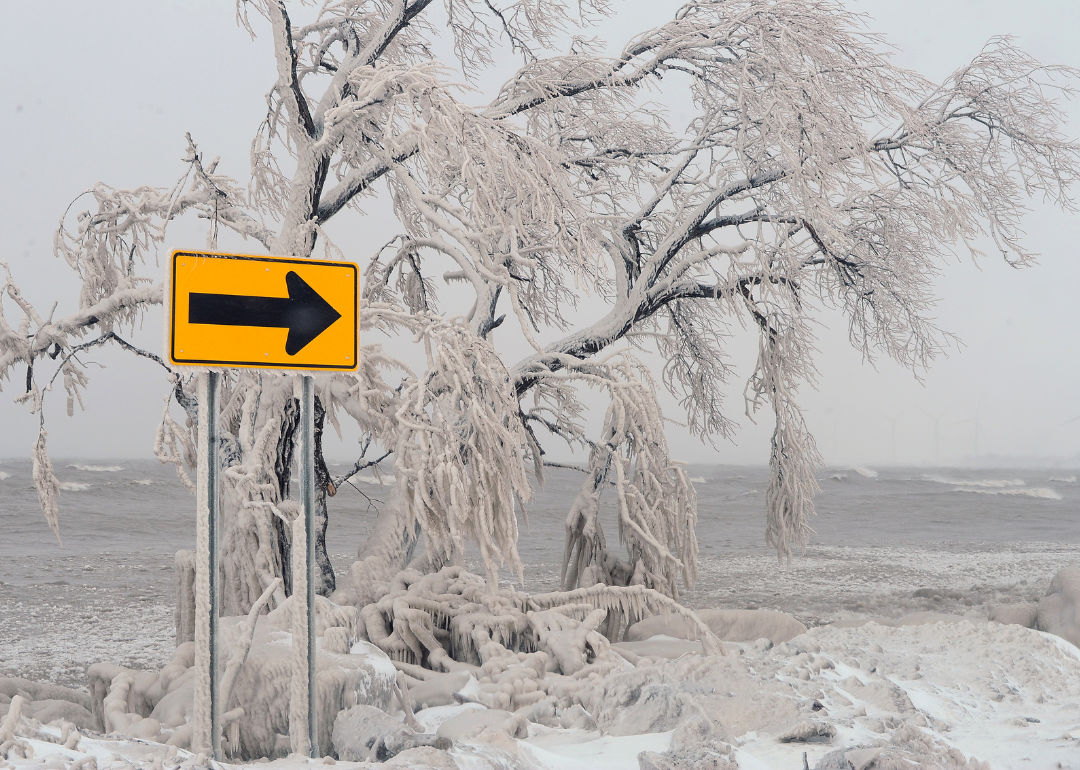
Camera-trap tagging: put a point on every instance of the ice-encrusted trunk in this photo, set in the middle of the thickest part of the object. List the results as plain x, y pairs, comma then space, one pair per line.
286, 444
325, 582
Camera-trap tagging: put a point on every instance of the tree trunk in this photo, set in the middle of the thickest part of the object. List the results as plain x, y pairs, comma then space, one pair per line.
325, 583
283, 470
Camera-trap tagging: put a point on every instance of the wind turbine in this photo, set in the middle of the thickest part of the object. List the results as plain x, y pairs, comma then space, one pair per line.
937, 423
892, 420
978, 426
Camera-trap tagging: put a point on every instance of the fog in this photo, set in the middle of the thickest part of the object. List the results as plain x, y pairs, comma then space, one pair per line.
105, 91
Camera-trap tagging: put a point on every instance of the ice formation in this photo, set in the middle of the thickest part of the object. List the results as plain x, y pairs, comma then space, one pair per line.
953, 695
256, 683
1059, 611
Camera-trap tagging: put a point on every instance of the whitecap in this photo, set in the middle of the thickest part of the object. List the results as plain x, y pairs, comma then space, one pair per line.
866, 472
1063, 479
384, 480
71, 486
143, 482
698, 480
97, 468
1040, 492
989, 483
838, 476
4, 475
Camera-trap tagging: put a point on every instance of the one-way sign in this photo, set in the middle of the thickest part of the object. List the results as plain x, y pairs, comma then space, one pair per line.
232, 310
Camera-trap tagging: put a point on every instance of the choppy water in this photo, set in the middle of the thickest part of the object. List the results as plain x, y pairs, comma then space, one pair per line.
975, 537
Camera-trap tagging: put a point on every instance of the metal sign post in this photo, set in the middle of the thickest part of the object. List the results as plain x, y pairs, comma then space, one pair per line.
303, 715
232, 310
307, 510
206, 733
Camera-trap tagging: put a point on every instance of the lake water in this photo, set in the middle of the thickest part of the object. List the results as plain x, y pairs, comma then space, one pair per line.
968, 538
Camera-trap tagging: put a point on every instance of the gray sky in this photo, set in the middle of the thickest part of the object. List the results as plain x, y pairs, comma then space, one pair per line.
105, 91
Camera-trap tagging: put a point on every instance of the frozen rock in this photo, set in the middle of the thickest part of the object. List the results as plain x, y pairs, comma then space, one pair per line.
673, 626
907, 747
576, 718
694, 746
174, 708
1015, 614
808, 731
658, 697
365, 733
851, 759
423, 757
471, 723
644, 706
728, 625
703, 758
658, 647
1059, 610
438, 689
11, 686
430, 719
51, 710
751, 625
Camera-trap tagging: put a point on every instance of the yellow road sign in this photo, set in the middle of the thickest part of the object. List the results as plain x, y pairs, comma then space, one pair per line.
233, 310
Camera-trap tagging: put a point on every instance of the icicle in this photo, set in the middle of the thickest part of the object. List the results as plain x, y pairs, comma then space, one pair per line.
46, 483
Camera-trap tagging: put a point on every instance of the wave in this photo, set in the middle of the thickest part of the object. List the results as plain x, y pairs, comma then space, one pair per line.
384, 480
866, 472
97, 468
989, 483
698, 480
1040, 492
4, 475
1063, 480
71, 486
838, 476
143, 482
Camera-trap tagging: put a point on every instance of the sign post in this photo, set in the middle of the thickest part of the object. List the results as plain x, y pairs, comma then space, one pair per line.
307, 509
239, 311
207, 710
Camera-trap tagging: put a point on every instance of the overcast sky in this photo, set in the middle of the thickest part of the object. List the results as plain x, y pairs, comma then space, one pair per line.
105, 91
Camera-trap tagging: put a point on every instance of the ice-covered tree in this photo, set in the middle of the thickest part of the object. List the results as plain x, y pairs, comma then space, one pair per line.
814, 177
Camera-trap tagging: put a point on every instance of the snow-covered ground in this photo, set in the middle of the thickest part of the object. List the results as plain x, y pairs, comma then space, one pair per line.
940, 694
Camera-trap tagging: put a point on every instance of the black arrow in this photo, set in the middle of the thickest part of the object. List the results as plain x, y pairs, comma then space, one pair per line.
304, 313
